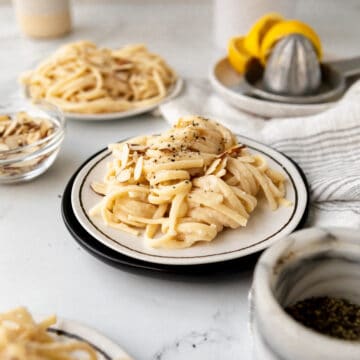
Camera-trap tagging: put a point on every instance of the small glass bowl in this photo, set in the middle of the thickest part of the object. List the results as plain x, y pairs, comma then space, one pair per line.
27, 162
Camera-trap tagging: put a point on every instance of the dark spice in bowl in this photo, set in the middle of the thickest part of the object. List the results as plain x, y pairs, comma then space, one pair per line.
335, 317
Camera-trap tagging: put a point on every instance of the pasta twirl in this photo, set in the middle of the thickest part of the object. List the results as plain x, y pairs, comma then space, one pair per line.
21, 338
185, 185
82, 78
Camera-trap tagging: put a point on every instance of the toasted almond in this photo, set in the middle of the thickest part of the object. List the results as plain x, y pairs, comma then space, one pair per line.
137, 147
221, 166
233, 150
31, 138
213, 166
99, 188
10, 128
221, 173
124, 155
12, 142
123, 175
138, 168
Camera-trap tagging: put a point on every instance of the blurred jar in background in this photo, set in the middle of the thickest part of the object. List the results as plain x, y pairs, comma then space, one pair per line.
43, 18
235, 17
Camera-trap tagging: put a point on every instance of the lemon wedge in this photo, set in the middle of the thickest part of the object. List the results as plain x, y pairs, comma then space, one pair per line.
254, 38
238, 56
285, 28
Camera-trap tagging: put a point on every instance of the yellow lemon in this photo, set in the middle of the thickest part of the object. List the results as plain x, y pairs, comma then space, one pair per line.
238, 56
254, 38
285, 28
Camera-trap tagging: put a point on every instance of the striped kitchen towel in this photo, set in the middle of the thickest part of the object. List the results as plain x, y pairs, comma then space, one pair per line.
326, 146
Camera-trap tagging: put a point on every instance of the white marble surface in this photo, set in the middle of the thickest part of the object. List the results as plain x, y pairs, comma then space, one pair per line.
41, 265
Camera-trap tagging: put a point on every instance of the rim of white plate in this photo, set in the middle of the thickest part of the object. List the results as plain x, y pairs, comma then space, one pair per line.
71, 329
173, 92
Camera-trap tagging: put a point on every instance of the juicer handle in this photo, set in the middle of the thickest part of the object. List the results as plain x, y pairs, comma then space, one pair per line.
347, 67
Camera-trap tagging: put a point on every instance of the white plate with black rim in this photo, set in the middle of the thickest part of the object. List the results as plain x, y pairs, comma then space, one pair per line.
264, 228
67, 330
224, 80
172, 93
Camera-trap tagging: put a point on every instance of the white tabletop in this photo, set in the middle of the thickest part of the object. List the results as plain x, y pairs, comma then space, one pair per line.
43, 268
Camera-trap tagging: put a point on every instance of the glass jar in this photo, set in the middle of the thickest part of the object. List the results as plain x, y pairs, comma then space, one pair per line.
43, 18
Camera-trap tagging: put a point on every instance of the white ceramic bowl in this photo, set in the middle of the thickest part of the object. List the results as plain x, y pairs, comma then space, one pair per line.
308, 263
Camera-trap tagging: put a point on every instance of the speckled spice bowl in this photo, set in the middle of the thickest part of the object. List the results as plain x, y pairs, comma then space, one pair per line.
311, 262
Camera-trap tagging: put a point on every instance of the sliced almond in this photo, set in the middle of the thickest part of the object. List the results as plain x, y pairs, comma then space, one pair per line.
124, 155
136, 147
221, 173
220, 167
10, 128
138, 168
213, 166
31, 138
234, 150
123, 175
44, 127
12, 142
99, 188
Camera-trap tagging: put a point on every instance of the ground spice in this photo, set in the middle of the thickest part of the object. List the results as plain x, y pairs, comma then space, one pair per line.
330, 316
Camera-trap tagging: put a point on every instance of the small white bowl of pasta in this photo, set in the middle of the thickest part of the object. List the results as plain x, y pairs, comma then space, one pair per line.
30, 139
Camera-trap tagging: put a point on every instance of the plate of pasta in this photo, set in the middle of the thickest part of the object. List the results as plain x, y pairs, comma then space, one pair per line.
195, 194
25, 337
91, 83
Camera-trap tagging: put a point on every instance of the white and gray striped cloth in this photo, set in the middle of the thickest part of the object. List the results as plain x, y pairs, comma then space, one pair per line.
326, 146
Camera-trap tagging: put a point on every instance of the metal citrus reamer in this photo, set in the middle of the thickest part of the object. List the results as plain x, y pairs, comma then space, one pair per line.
293, 74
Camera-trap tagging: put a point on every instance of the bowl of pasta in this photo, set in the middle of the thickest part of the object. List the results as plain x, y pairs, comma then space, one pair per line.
30, 140
25, 337
91, 83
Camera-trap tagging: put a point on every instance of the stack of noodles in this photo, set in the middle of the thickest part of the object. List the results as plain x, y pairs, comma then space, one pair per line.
82, 78
21, 338
186, 184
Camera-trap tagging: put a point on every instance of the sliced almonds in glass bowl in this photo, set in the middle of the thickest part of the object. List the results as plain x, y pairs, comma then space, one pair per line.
22, 130
30, 139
